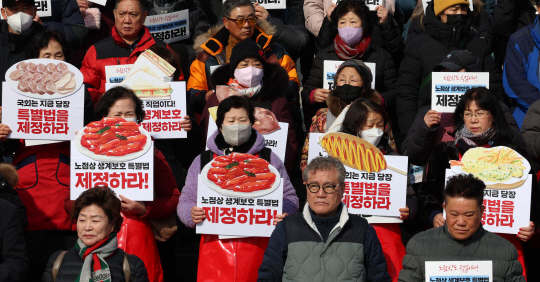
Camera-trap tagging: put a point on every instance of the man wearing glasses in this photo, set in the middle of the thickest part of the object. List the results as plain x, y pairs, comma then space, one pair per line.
214, 48
324, 242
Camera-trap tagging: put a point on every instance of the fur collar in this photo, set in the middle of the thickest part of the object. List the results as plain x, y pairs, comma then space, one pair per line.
275, 80
335, 106
265, 28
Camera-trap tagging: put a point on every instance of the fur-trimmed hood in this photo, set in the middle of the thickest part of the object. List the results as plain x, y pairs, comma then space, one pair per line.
263, 26
335, 106
275, 80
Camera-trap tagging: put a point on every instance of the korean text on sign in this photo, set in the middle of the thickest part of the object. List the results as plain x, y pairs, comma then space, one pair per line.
448, 87
458, 271
169, 28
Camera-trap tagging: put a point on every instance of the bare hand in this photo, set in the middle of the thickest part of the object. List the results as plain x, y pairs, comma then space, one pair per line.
432, 118
83, 5
279, 217
329, 11
208, 94
38, 20
320, 95
197, 215
382, 13
438, 220
133, 207
260, 11
526, 233
404, 213
186, 123
4, 131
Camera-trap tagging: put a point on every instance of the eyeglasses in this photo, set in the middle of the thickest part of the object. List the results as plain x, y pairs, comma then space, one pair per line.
479, 115
240, 22
327, 188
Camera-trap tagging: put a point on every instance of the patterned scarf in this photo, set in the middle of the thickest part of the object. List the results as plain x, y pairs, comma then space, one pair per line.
346, 52
248, 92
95, 268
474, 140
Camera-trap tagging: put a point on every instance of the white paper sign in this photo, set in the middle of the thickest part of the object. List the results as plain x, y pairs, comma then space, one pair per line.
238, 216
446, 271
374, 3
169, 28
381, 194
506, 210
116, 73
270, 4
33, 118
133, 179
162, 117
275, 141
44, 8
448, 87
415, 173
331, 66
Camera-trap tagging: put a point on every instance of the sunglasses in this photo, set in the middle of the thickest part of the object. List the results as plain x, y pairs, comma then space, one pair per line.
240, 22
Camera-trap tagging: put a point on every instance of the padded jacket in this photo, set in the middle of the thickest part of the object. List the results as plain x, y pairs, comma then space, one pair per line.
296, 251
437, 244
72, 264
530, 130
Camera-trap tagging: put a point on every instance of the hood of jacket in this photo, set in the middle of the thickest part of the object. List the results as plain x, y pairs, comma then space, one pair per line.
275, 80
257, 146
448, 35
335, 106
216, 38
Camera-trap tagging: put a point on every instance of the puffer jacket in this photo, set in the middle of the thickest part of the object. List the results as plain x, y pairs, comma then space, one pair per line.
429, 49
211, 47
437, 244
297, 251
217, 144
66, 19
530, 130
72, 264
290, 30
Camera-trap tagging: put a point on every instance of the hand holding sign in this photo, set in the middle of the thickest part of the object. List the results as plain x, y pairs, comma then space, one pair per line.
197, 215
224, 91
132, 207
432, 118
320, 95
382, 14
4, 131
260, 11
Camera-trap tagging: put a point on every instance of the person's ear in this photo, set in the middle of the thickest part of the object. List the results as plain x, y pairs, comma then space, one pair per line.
444, 206
114, 13
482, 208
4, 13
225, 21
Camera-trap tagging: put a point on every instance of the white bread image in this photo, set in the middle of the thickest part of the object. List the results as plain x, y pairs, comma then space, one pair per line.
153, 64
69, 87
147, 86
63, 81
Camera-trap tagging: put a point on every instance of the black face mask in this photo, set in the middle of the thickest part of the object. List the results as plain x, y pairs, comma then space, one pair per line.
348, 93
456, 20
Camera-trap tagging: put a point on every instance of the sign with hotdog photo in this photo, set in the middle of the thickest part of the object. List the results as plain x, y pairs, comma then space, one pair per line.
43, 99
375, 184
116, 153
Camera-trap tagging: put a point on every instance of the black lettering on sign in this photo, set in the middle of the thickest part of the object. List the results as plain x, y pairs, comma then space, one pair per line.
41, 6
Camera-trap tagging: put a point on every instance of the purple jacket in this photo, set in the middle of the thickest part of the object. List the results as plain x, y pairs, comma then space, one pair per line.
188, 199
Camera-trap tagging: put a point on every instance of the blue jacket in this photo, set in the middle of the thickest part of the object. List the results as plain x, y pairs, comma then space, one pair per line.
521, 74
66, 19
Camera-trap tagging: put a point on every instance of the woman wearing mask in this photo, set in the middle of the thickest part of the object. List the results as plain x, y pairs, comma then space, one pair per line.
368, 120
478, 121
234, 134
448, 26
353, 41
353, 80
263, 83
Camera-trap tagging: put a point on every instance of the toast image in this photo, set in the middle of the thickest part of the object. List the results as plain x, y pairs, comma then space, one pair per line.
146, 85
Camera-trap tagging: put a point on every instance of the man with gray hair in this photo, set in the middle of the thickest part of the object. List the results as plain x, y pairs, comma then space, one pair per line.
324, 242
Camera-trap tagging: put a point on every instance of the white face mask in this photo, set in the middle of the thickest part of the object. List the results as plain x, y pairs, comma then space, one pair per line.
20, 22
372, 135
249, 77
236, 134
131, 119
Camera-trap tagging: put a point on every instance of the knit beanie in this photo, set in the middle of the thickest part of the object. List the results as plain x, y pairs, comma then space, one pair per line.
440, 5
244, 49
360, 67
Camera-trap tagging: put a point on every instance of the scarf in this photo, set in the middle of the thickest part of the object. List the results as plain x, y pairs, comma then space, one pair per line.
95, 268
346, 52
474, 140
248, 92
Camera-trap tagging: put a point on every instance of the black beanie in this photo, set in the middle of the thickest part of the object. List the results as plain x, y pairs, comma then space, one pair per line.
244, 49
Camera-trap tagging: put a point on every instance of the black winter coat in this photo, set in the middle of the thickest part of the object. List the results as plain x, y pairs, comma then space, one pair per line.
290, 32
66, 19
425, 52
385, 78
73, 263
13, 260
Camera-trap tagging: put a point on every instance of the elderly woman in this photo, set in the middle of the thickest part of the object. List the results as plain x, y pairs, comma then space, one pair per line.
353, 41
235, 134
96, 255
478, 121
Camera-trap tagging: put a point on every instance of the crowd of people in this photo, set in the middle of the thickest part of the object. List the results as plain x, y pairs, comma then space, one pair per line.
274, 59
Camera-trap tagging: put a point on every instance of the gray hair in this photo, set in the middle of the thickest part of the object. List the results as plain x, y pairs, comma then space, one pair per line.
229, 5
325, 163
143, 5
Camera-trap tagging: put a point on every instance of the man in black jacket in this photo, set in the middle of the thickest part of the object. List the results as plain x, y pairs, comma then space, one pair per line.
13, 261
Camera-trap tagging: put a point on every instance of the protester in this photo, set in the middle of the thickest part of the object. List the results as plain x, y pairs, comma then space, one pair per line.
530, 130
96, 255
128, 40
13, 258
215, 47
234, 134
351, 17
353, 80
306, 246
462, 237
67, 20
265, 84
448, 26
520, 79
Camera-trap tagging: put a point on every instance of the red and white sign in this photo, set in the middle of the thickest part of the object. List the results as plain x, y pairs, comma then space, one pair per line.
116, 73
